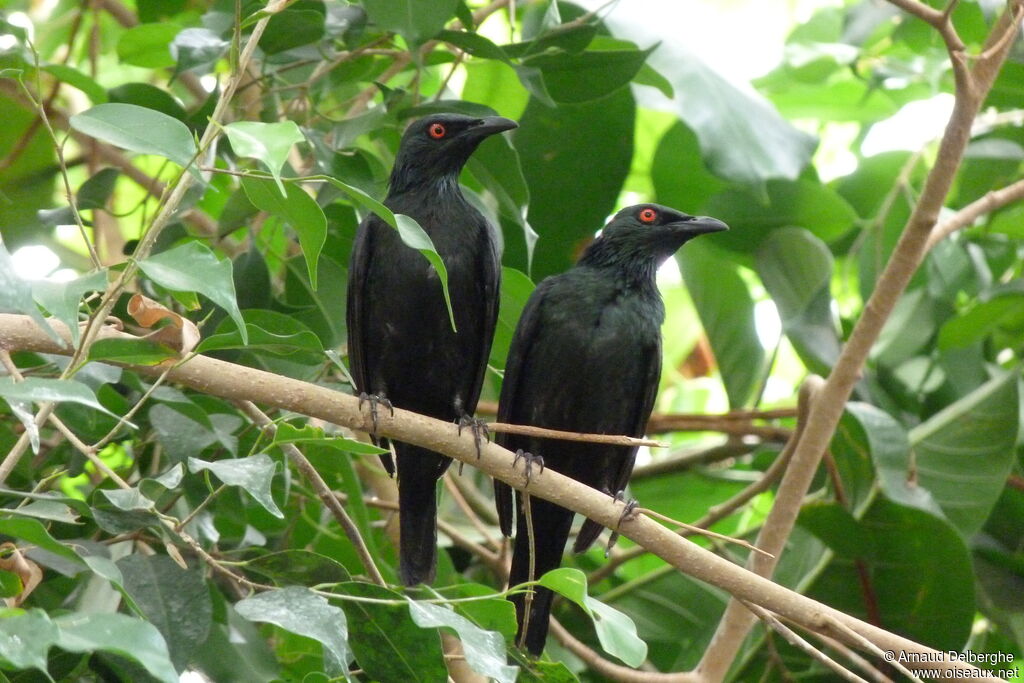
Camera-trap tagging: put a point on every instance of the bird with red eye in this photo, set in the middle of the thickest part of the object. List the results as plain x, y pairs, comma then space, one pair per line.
437, 130
648, 215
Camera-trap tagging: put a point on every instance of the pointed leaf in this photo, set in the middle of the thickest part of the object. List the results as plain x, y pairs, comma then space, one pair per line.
484, 650
192, 267
269, 142
287, 433
42, 390
141, 130
62, 299
416, 21
297, 209
254, 474
301, 611
135, 639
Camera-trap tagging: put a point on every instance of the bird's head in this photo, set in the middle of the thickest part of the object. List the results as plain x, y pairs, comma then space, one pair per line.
647, 234
436, 147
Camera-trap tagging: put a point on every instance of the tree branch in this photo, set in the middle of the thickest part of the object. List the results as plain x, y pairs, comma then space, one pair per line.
966, 216
236, 382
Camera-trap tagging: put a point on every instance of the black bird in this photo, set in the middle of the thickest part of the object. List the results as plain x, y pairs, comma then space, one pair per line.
586, 357
402, 349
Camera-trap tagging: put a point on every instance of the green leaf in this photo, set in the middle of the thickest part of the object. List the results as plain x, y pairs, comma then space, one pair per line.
63, 299
679, 148
141, 130
130, 351
192, 267
299, 24
918, 568
981, 321
33, 531
416, 21
26, 638
648, 75
75, 78
147, 45
726, 311
149, 97
963, 454
615, 630
386, 643
269, 142
297, 209
292, 567
176, 601
291, 336
43, 389
135, 639
52, 510
253, 473
197, 50
16, 295
796, 269
301, 611
286, 433
559, 149
515, 292
94, 192
588, 75
484, 650
797, 203
10, 586
474, 43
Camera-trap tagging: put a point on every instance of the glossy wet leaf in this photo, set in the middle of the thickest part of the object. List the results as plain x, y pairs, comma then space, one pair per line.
253, 473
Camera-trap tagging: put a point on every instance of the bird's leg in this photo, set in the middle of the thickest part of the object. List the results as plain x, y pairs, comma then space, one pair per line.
375, 400
528, 462
628, 513
478, 427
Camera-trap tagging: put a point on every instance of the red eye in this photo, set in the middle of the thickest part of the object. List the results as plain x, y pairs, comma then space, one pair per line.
437, 131
648, 215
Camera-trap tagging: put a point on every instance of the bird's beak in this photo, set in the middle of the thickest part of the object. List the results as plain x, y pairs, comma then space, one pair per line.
702, 225
489, 125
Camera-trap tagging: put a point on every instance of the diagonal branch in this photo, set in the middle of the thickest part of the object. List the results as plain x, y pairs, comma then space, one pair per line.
236, 382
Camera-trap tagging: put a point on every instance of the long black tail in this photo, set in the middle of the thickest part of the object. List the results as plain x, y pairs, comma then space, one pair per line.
418, 472
551, 525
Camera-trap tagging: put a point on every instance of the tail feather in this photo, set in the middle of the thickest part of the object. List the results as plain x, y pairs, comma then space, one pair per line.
551, 525
418, 471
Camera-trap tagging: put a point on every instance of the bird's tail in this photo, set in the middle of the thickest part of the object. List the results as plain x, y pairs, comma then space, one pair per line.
551, 525
418, 471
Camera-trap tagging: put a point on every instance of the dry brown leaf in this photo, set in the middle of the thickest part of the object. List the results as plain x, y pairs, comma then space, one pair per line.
27, 570
181, 334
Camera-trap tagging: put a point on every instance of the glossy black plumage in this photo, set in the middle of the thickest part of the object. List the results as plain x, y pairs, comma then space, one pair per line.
400, 341
586, 357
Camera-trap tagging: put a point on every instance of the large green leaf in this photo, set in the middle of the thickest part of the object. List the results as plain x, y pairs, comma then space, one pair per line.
138, 129
386, 642
43, 389
297, 209
254, 474
726, 311
271, 143
515, 292
560, 149
615, 630
963, 454
301, 611
918, 570
484, 650
796, 269
592, 74
192, 267
120, 634
790, 203
173, 599
416, 21
26, 638
678, 172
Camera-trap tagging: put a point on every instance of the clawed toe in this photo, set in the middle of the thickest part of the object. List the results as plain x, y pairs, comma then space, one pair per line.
529, 460
629, 512
479, 429
375, 400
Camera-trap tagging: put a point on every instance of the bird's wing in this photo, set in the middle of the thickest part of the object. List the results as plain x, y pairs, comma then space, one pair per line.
638, 423
522, 341
359, 266
490, 284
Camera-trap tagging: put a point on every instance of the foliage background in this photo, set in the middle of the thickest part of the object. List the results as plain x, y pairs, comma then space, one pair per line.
916, 524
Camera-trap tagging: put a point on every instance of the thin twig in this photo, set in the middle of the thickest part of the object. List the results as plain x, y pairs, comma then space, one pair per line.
323, 491
506, 428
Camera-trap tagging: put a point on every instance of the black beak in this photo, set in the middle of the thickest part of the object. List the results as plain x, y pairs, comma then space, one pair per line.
701, 225
489, 125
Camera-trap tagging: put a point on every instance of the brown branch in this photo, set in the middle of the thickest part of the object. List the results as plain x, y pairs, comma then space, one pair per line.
236, 382
992, 200
506, 428
323, 491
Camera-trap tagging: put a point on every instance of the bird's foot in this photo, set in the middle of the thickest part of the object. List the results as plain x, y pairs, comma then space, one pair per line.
479, 428
529, 460
375, 401
629, 512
